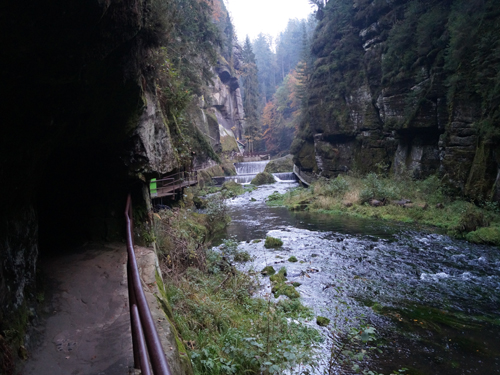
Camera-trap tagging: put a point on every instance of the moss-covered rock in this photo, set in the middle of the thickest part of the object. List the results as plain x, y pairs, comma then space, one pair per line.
272, 243
284, 164
293, 259
487, 235
285, 290
268, 271
227, 140
263, 178
322, 321
279, 277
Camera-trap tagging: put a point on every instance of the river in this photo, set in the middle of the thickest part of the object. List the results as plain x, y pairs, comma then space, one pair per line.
433, 300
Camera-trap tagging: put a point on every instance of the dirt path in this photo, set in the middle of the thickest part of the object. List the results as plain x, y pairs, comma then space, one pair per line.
86, 329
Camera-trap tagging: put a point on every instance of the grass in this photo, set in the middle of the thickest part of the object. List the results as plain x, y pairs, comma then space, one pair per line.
349, 195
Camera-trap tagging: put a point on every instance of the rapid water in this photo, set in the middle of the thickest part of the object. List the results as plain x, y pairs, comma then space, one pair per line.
435, 301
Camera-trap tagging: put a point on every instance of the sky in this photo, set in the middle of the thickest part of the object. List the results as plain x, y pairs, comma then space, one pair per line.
251, 17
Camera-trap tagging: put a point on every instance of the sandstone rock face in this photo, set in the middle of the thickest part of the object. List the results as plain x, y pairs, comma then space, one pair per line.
365, 115
153, 150
225, 98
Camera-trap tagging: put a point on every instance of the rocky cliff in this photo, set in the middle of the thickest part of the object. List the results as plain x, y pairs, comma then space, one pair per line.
402, 87
84, 122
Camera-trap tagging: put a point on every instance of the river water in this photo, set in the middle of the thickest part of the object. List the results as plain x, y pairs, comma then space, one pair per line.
433, 300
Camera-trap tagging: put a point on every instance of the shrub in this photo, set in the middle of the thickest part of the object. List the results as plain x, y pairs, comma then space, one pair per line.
272, 243
292, 259
471, 219
337, 187
216, 212
378, 188
230, 250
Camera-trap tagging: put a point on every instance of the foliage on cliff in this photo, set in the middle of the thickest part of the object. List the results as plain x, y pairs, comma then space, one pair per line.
405, 83
182, 67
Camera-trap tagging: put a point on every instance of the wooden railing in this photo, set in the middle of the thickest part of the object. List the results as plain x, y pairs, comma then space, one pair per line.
173, 183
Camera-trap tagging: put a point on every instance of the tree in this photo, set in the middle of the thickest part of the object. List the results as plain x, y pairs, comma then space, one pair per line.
250, 96
266, 65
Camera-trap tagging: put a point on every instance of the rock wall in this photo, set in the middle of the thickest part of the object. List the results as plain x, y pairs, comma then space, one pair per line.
384, 95
81, 126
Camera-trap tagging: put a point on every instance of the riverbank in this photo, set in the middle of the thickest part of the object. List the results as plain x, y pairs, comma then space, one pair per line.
223, 328
405, 200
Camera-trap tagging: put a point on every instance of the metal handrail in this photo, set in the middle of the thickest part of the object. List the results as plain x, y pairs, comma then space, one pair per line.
144, 332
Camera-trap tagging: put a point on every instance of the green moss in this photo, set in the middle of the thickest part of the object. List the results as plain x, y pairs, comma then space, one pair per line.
272, 243
322, 321
293, 259
263, 178
285, 290
268, 271
488, 235
279, 277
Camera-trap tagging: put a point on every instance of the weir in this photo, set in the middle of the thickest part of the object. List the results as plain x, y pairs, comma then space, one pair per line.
251, 167
246, 172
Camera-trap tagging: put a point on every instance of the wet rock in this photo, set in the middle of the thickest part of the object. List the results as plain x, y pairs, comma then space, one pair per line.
376, 203
401, 202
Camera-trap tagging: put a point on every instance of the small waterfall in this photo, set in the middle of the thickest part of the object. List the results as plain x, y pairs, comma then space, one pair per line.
251, 167
285, 177
243, 179
248, 170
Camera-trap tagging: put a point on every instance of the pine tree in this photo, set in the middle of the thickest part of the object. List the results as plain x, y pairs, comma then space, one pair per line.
250, 97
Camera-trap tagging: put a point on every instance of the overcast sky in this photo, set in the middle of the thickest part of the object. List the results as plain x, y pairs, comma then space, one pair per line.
251, 17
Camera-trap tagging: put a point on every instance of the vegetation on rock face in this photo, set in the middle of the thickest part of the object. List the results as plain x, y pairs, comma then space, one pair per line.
263, 178
391, 80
